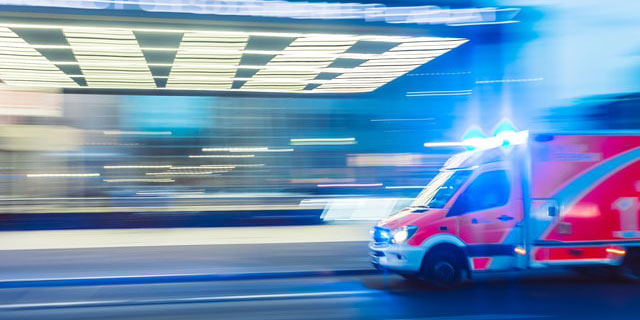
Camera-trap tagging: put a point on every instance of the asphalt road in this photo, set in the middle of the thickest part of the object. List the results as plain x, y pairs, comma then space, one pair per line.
362, 297
554, 295
198, 259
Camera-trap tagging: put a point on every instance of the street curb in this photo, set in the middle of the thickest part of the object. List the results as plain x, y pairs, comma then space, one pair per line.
173, 278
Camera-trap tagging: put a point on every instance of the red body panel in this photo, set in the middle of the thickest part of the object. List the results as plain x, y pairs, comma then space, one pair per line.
600, 208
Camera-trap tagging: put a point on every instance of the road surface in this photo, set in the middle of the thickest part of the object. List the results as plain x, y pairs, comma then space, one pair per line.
358, 297
555, 295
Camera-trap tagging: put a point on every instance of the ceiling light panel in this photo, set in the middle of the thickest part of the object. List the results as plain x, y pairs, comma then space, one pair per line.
22, 65
406, 56
129, 68
199, 57
209, 60
308, 54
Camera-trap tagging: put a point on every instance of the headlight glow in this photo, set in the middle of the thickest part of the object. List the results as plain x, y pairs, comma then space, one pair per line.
402, 234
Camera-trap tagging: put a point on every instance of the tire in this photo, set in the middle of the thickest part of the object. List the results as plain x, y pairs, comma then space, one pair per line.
629, 270
441, 270
596, 272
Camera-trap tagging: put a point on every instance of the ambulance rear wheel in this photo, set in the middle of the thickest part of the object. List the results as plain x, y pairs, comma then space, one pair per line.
441, 269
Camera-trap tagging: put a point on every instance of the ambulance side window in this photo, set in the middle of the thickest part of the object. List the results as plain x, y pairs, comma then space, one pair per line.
489, 190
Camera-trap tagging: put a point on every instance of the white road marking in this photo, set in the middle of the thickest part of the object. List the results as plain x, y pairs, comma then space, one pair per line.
95, 303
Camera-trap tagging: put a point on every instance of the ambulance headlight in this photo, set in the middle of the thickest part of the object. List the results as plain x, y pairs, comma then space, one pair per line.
402, 234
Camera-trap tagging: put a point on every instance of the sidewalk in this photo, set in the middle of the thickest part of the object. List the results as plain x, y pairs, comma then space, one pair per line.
182, 254
118, 238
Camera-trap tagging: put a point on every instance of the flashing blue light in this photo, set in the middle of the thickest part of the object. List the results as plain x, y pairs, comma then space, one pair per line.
473, 138
381, 235
505, 134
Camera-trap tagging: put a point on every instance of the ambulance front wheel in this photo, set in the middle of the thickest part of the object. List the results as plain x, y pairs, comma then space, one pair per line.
441, 269
630, 267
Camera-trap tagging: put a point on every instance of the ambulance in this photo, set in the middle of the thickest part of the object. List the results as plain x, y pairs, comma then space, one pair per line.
521, 202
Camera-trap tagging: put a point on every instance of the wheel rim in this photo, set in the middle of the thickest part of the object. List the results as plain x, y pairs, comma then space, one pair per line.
444, 271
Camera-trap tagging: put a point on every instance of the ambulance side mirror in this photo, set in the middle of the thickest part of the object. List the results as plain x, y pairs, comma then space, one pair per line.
553, 211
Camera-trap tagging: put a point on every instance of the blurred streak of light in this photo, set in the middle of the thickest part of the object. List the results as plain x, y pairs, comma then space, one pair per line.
481, 23
443, 144
321, 180
171, 193
222, 156
139, 180
404, 187
349, 185
438, 93
389, 120
234, 165
520, 250
138, 167
180, 173
247, 149
223, 166
509, 80
297, 10
201, 167
438, 74
323, 141
118, 132
61, 175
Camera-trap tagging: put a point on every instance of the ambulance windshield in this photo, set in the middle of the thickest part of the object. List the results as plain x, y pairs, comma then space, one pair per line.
443, 186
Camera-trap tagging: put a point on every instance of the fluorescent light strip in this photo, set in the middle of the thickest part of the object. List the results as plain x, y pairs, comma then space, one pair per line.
114, 47
77, 37
197, 67
314, 52
212, 44
25, 56
319, 47
401, 56
355, 79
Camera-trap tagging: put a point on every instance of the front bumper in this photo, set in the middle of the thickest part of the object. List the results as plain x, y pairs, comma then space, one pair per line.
401, 258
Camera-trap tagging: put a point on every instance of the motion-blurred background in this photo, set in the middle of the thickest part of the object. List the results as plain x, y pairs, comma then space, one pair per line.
164, 114
115, 106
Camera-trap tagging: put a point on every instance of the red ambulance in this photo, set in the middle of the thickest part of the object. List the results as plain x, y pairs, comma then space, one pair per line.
554, 200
